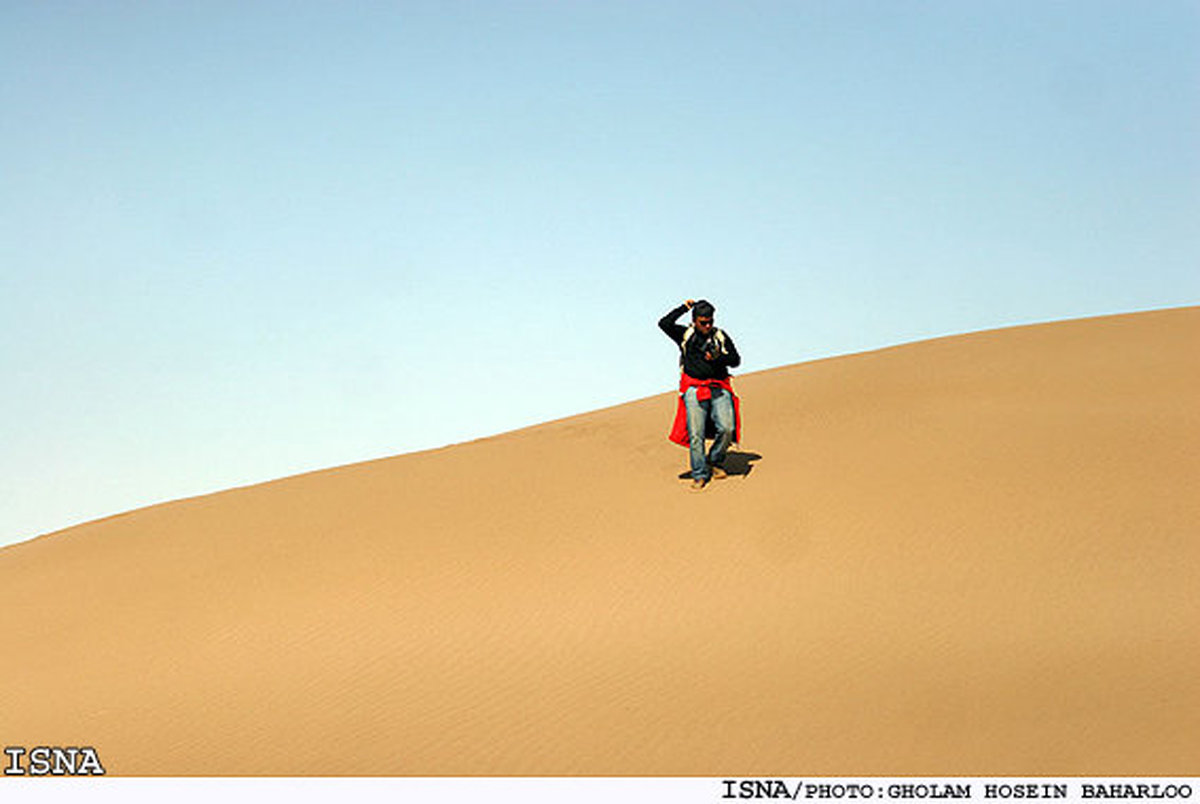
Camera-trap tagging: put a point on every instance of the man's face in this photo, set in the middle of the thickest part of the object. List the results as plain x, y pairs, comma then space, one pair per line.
704, 324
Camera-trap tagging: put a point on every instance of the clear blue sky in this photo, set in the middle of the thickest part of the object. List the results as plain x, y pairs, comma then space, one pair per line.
240, 240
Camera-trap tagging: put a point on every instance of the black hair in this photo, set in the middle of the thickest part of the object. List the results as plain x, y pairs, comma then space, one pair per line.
703, 308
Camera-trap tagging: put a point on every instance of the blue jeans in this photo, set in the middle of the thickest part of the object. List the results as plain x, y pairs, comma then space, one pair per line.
720, 408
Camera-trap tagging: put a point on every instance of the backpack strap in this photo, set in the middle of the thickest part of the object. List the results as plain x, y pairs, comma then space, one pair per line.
687, 336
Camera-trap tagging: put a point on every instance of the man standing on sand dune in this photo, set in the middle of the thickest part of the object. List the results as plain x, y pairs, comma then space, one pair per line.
707, 405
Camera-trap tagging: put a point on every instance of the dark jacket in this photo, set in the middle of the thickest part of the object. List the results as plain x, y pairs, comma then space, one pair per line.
692, 359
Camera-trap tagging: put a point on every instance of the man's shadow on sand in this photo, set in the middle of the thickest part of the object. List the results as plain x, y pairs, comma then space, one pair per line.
737, 464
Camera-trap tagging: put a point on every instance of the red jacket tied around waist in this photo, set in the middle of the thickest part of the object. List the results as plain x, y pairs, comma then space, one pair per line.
704, 389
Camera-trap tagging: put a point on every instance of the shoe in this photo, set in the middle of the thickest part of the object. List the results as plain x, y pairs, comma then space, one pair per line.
718, 473
698, 485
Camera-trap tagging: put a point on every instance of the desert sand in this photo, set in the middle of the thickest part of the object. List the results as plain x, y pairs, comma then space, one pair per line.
977, 555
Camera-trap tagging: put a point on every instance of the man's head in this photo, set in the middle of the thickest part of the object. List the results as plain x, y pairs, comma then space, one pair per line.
702, 316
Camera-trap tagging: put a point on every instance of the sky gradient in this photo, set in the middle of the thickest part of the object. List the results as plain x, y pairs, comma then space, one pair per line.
244, 240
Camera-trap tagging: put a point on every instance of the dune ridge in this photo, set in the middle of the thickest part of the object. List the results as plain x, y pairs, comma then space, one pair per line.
976, 555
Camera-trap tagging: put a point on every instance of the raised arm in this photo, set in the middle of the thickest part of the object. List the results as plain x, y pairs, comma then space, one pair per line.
667, 322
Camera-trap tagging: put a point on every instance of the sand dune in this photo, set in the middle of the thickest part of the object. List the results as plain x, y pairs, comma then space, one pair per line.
977, 555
